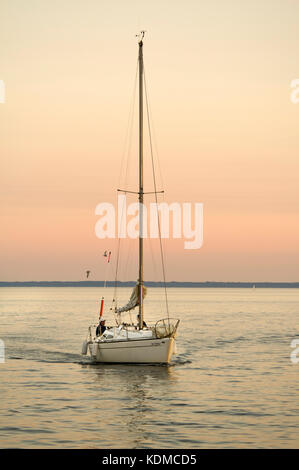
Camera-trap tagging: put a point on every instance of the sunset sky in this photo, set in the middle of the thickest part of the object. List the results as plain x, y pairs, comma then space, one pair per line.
219, 78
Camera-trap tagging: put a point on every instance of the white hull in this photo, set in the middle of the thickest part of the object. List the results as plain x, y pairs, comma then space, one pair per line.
143, 351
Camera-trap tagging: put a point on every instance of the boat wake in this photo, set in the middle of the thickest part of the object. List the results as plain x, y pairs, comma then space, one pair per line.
47, 356
180, 361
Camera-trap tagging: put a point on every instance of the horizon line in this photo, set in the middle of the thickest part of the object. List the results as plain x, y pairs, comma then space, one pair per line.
86, 283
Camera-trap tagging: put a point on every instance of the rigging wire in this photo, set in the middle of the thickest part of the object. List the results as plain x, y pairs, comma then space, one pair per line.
153, 257
156, 197
127, 153
128, 136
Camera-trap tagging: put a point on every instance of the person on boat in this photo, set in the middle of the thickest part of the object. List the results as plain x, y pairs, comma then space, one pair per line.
144, 324
101, 328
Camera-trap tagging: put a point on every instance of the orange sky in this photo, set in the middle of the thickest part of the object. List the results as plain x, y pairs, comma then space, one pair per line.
219, 75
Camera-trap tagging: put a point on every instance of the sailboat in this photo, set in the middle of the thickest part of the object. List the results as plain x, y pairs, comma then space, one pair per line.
141, 343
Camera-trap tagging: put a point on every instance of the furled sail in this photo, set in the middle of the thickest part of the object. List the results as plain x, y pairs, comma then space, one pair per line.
134, 300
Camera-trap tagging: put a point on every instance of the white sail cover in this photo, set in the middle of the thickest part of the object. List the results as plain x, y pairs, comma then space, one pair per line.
134, 300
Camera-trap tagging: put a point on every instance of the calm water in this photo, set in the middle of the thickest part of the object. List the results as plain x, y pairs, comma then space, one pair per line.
232, 383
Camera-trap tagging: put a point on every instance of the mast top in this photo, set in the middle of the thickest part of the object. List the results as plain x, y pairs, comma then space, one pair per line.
141, 36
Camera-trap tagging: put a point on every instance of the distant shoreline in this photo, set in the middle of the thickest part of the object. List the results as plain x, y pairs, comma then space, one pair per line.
288, 285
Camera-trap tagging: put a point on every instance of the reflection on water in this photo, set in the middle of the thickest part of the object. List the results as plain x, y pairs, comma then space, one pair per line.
232, 383
141, 387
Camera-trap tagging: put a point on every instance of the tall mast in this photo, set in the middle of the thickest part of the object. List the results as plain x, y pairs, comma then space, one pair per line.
140, 60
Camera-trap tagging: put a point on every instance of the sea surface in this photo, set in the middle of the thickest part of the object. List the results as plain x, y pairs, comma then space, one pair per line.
232, 383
